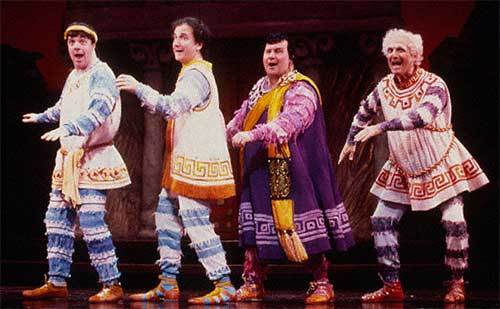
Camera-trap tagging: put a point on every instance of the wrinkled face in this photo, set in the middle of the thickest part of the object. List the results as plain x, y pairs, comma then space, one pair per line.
184, 46
399, 59
81, 50
276, 59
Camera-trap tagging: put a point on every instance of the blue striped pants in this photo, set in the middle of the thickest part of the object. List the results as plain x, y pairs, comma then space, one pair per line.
60, 222
176, 216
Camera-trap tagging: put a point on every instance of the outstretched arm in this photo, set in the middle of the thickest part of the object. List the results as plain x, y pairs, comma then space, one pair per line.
192, 90
367, 111
50, 115
433, 103
103, 96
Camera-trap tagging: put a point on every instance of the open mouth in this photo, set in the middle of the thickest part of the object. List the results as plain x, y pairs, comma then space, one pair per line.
396, 62
78, 56
272, 65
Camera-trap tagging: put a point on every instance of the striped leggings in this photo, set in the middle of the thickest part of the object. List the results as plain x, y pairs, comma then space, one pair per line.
385, 223
173, 218
60, 224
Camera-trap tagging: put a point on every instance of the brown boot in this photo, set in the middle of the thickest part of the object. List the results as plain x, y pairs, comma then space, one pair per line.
320, 292
456, 291
390, 292
108, 294
48, 290
167, 289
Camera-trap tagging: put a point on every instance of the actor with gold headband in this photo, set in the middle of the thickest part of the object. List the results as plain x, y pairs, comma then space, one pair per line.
427, 168
290, 204
86, 166
197, 166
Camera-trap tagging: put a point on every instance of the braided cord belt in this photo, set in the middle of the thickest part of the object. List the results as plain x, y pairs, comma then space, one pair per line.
429, 169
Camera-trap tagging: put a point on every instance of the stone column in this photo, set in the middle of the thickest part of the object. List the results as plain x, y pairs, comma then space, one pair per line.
151, 56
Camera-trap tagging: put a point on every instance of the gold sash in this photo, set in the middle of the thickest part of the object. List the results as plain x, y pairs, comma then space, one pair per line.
279, 173
71, 175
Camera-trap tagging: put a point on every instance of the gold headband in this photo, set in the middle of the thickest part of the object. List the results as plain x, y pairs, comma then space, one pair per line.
83, 28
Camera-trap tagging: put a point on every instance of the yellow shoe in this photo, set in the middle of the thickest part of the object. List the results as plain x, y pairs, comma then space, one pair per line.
250, 292
224, 292
167, 289
320, 292
108, 294
48, 290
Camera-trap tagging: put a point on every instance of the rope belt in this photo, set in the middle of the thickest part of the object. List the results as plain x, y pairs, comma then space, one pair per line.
71, 172
429, 169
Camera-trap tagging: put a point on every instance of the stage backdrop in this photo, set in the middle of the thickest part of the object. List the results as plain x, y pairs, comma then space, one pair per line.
339, 47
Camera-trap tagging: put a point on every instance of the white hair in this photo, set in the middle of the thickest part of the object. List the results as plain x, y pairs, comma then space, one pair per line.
414, 42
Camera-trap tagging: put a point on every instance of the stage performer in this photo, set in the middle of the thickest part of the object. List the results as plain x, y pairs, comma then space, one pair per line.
197, 166
290, 205
87, 165
428, 167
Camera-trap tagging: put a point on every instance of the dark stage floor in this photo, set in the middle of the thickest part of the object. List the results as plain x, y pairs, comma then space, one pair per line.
11, 298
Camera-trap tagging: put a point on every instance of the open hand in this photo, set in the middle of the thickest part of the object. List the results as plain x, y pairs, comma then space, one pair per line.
127, 83
240, 139
367, 133
54, 135
347, 150
29, 118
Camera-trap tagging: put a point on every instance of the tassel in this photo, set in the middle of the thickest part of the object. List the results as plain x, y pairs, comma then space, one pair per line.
292, 246
299, 249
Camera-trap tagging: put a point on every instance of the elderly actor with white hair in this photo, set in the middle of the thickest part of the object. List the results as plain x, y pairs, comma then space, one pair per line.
428, 167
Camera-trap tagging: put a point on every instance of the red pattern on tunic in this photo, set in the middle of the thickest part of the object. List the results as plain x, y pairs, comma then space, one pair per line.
428, 165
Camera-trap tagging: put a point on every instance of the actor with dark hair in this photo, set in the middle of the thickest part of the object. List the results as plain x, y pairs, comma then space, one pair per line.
197, 166
81, 29
276, 37
428, 167
87, 165
290, 205
201, 32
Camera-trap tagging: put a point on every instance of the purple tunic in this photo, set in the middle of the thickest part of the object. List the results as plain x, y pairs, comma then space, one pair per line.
321, 220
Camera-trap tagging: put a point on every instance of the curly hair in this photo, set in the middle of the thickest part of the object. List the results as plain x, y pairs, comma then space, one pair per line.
414, 42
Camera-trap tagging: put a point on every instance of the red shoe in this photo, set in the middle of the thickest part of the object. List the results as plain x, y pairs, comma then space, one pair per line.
456, 291
320, 292
390, 292
250, 292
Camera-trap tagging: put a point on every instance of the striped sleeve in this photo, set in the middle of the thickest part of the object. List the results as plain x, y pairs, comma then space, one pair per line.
236, 124
433, 103
367, 111
192, 90
299, 108
51, 114
103, 94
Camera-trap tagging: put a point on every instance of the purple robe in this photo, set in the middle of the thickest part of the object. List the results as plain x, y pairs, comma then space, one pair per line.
320, 218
